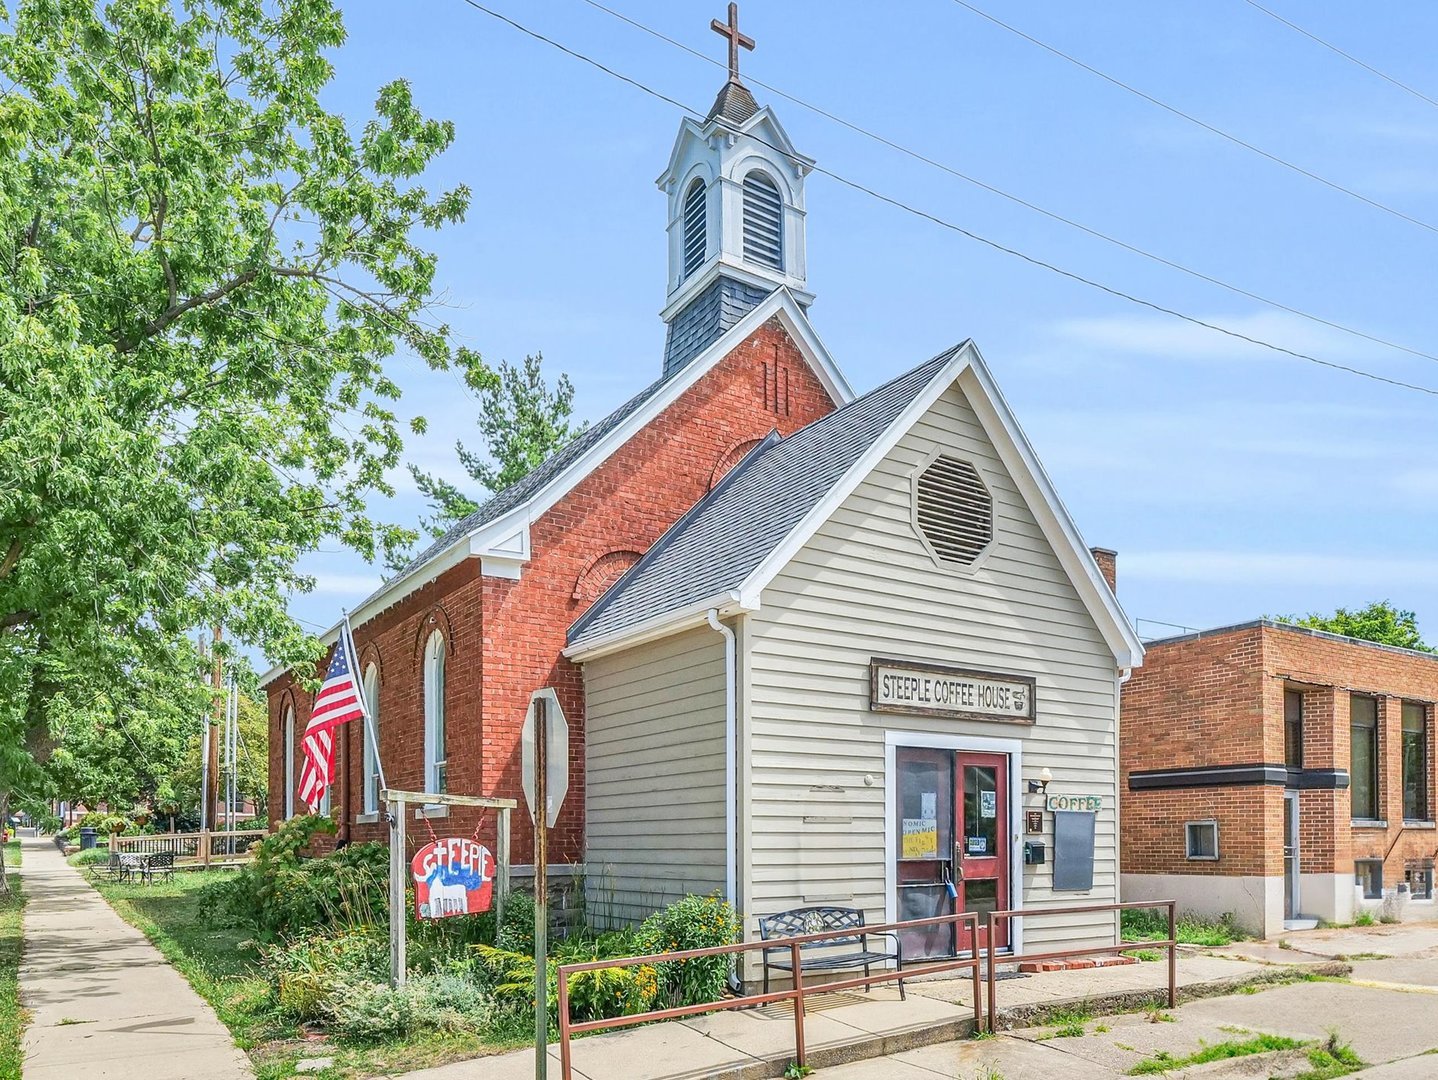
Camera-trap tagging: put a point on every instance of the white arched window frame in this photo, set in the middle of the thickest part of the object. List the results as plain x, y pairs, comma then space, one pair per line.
371, 756
435, 763
763, 220
289, 761
696, 234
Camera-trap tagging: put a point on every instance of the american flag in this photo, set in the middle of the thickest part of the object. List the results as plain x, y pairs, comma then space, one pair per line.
339, 701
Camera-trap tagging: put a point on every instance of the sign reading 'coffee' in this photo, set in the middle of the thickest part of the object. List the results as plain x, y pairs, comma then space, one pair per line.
908, 687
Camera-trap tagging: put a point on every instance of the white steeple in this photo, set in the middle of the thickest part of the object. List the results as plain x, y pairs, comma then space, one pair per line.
735, 185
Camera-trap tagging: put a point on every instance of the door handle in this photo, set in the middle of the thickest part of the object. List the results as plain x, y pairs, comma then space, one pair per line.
958, 861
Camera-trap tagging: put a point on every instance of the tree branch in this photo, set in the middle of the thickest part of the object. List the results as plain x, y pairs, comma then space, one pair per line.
175, 310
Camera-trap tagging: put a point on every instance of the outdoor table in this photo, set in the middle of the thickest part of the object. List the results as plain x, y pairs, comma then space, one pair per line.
134, 861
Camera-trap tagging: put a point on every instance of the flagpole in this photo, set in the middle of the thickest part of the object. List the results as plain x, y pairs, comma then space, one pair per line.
348, 632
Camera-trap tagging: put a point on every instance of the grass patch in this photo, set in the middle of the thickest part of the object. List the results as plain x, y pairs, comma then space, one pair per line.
1151, 924
12, 1017
1332, 1059
1148, 956
1069, 1023
1163, 1061
221, 964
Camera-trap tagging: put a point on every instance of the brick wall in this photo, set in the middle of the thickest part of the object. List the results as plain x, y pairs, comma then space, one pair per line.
1219, 699
505, 637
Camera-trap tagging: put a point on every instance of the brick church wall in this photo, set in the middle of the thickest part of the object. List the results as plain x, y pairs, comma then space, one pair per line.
505, 637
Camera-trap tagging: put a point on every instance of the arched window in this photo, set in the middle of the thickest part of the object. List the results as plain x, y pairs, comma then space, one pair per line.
434, 752
370, 803
695, 239
763, 221
289, 761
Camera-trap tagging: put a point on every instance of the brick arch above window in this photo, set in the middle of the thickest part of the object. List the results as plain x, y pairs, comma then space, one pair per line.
369, 654
729, 458
601, 572
436, 618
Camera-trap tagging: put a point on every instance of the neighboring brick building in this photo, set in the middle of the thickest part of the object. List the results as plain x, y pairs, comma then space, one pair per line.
1278, 774
451, 648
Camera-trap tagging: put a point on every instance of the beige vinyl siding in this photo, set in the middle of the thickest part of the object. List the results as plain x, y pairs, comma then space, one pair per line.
864, 586
654, 762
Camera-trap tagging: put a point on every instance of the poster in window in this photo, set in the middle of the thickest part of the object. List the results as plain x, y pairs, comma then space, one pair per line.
921, 838
988, 804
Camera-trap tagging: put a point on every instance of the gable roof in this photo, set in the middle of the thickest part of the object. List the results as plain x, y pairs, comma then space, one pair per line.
737, 539
513, 509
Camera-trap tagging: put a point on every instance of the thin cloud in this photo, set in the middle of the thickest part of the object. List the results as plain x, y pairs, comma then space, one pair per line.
1280, 568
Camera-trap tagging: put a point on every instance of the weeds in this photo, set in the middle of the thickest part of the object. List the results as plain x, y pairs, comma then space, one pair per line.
1334, 1058
1162, 1061
1151, 924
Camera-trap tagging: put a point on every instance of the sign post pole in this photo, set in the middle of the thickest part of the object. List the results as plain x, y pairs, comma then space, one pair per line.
397, 913
541, 894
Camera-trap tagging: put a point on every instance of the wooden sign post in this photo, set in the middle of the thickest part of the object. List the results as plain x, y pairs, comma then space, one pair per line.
396, 801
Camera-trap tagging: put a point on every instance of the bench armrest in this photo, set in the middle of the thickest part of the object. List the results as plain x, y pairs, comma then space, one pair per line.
898, 944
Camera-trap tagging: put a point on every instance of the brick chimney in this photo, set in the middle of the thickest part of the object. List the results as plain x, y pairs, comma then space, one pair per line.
1107, 560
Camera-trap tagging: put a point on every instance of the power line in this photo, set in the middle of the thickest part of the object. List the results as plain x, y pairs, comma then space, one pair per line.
1346, 55
1199, 123
1019, 200
944, 223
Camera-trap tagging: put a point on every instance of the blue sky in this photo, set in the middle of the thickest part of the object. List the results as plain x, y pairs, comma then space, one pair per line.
1233, 481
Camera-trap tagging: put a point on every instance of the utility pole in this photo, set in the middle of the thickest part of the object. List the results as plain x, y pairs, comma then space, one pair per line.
212, 752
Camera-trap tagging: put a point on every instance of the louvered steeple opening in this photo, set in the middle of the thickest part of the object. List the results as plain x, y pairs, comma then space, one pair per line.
763, 221
695, 235
954, 510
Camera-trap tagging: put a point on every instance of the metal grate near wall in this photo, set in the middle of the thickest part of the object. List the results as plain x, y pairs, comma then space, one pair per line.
955, 511
763, 221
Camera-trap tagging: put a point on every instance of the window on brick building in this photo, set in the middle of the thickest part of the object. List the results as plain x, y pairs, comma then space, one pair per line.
1419, 876
289, 761
1363, 757
1201, 839
1293, 729
1369, 874
1415, 761
370, 759
435, 763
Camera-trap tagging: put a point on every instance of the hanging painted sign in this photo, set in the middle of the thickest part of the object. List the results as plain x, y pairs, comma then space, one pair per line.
904, 686
453, 876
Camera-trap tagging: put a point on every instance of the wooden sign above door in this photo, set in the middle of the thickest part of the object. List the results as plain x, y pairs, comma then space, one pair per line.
906, 686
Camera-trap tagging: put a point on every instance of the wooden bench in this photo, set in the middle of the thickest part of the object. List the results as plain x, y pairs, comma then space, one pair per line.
820, 955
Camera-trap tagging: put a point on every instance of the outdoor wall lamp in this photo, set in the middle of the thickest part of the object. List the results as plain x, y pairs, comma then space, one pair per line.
1041, 785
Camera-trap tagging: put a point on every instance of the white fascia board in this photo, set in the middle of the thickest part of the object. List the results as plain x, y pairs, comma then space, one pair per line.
759, 578
1018, 456
659, 626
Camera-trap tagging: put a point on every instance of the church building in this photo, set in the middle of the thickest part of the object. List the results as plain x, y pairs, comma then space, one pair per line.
813, 647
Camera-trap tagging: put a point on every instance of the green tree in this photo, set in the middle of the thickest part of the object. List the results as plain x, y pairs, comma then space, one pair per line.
202, 275
523, 421
1380, 621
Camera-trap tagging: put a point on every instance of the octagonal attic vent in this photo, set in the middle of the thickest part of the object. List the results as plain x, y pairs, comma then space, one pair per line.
954, 510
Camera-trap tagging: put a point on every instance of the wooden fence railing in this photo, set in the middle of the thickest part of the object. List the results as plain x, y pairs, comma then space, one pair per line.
203, 848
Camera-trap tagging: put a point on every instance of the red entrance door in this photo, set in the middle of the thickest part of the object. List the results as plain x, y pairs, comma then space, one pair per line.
953, 844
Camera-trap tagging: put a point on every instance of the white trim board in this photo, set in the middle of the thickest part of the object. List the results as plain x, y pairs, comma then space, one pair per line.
978, 744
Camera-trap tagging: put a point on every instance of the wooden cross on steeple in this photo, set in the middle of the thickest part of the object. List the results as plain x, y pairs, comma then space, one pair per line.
730, 30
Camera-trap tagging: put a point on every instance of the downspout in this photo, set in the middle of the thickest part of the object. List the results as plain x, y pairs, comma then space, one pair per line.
731, 800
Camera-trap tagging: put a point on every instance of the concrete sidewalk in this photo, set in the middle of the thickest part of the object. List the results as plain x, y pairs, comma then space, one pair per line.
751, 1044
105, 1005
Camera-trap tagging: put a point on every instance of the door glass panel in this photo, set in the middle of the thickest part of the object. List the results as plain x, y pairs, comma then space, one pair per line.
981, 811
925, 846
981, 896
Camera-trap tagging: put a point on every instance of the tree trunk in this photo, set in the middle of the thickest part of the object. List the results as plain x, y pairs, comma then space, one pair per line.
4, 817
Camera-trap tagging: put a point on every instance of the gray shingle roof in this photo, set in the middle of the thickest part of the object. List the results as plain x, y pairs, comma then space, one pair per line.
726, 535
517, 494
733, 103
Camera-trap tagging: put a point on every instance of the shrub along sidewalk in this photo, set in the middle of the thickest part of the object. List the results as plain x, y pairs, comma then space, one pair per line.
292, 953
12, 1017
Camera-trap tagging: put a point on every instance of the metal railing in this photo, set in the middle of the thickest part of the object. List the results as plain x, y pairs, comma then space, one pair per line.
1171, 944
795, 994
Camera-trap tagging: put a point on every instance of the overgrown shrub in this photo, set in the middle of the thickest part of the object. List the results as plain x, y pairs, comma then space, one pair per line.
372, 1012
91, 857
695, 922
307, 973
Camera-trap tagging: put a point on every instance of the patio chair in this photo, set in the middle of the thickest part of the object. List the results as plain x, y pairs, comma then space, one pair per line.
161, 863
113, 870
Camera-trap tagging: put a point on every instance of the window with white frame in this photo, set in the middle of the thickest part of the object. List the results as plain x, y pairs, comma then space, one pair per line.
1201, 839
1419, 875
371, 752
434, 751
289, 761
